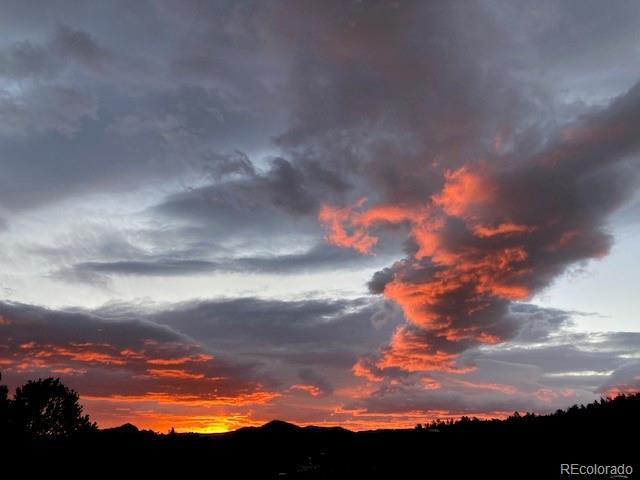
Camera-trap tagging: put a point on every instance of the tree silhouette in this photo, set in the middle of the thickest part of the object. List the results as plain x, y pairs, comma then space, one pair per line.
46, 407
4, 407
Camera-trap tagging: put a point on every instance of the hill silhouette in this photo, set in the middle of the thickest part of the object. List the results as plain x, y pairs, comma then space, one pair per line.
604, 432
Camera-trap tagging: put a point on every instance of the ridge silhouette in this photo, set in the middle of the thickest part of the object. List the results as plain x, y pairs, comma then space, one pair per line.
521, 446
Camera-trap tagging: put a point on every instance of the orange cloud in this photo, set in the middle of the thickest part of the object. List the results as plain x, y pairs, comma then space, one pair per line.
103, 354
617, 391
484, 231
362, 369
410, 353
174, 373
310, 389
497, 273
69, 371
181, 360
82, 354
464, 190
494, 387
547, 395
446, 295
336, 218
347, 226
249, 398
152, 381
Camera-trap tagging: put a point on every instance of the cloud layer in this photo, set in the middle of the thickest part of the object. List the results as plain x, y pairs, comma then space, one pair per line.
497, 231
327, 212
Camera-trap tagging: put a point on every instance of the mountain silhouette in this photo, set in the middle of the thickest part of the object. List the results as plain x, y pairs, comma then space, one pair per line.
125, 429
603, 432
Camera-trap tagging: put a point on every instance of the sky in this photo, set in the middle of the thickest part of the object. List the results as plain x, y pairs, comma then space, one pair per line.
367, 214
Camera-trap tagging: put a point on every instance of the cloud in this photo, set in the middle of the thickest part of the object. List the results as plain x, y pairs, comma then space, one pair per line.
269, 199
249, 352
624, 380
81, 47
475, 151
57, 108
25, 59
479, 245
318, 382
54, 75
318, 258
236, 163
517, 375
314, 331
100, 356
267, 355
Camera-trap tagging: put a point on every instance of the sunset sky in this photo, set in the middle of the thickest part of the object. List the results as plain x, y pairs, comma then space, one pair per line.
367, 214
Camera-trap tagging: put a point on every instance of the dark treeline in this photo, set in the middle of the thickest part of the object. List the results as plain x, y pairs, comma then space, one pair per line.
44, 420
599, 415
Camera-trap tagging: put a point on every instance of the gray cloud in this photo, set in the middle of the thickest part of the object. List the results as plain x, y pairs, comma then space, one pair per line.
472, 271
625, 379
259, 344
296, 332
25, 59
100, 355
80, 47
237, 121
524, 377
244, 345
57, 108
320, 257
284, 198
236, 163
311, 377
